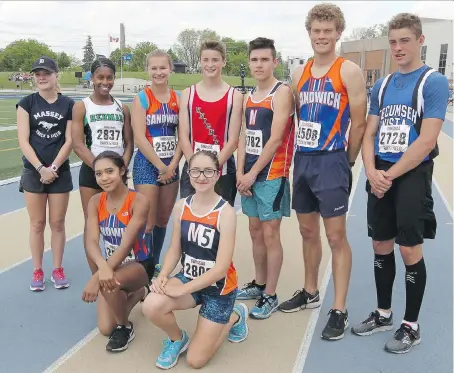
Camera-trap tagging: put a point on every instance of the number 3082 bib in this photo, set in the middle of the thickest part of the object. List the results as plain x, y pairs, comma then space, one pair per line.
111, 248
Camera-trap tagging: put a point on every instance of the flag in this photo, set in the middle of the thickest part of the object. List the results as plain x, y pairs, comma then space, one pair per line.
113, 39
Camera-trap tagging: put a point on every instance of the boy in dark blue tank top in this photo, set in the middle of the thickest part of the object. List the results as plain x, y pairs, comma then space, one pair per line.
406, 114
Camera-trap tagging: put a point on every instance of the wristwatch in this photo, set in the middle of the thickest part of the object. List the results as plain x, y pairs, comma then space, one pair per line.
54, 168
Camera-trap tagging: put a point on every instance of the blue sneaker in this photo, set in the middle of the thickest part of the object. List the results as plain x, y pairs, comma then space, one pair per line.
240, 330
250, 291
171, 351
264, 307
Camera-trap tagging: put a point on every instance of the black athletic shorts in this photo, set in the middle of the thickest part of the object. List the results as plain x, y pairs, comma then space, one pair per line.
30, 182
406, 210
87, 178
149, 266
225, 187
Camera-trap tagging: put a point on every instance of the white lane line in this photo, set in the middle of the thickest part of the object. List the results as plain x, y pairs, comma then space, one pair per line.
72, 351
443, 198
29, 258
17, 178
305, 344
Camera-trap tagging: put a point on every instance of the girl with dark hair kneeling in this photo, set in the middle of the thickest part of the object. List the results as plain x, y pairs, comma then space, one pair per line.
119, 215
204, 228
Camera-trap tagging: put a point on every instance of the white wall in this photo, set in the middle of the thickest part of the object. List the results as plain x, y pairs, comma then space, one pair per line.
436, 34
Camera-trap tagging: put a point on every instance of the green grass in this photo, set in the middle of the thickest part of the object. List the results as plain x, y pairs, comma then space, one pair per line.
178, 81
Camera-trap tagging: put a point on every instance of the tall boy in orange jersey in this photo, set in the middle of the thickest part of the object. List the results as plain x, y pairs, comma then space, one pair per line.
212, 120
332, 95
265, 154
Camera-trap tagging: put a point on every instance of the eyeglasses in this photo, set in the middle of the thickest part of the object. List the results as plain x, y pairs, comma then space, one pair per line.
207, 172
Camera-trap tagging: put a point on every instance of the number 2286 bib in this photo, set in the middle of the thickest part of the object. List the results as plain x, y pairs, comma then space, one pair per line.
394, 139
194, 268
254, 142
108, 137
164, 146
308, 134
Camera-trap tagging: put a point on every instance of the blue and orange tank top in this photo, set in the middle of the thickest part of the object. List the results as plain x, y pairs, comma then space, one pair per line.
112, 227
200, 237
259, 117
324, 110
161, 122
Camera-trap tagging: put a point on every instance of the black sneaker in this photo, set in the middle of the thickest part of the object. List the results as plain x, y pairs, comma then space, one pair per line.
373, 324
336, 325
120, 337
300, 300
404, 339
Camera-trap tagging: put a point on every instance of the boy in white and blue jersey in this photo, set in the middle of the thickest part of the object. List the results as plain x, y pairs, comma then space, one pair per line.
406, 114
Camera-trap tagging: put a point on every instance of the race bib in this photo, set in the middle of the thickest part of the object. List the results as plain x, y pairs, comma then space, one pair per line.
254, 142
308, 134
108, 137
111, 248
165, 146
194, 268
394, 139
198, 146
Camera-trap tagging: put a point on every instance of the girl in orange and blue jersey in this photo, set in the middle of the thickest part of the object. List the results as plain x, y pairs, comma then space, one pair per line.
119, 215
155, 122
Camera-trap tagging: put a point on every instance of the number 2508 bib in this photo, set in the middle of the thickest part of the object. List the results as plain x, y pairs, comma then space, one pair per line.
308, 134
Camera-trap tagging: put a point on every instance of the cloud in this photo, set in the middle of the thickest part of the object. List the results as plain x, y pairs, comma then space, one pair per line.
65, 25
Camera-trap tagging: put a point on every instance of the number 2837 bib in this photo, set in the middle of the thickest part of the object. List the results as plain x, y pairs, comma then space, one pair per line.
108, 137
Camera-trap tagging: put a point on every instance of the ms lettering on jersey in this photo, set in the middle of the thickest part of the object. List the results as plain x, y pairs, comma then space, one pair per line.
201, 235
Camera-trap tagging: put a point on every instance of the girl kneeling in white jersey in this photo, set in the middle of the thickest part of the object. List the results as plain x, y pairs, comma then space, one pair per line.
204, 238
100, 123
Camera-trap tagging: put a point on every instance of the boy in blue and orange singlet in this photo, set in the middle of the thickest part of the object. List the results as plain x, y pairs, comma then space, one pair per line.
119, 216
332, 96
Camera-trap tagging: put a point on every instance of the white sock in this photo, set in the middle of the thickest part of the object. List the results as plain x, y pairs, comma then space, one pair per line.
384, 314
414, 325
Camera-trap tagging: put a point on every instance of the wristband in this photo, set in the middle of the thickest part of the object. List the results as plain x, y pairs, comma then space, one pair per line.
39, 167
163, 172
54, 168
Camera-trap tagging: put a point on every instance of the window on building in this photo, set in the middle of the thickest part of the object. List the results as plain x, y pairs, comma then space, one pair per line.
423, 53
443, 56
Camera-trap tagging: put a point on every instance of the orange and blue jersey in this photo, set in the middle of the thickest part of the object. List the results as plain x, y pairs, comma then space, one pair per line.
200, 236
259, 118
112, 228
161, 122
324, 111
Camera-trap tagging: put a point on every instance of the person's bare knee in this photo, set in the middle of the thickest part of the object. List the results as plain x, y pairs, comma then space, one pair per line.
154, 306
255, 229
57, 225
195, 358
336, 239
37, 226
271, 234
309, 230
383, 247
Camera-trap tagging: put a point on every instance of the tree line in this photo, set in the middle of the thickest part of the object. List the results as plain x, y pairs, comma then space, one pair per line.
20, 54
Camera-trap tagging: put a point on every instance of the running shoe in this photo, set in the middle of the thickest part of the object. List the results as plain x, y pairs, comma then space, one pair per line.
300, 300
250, 291
37, 283
59, 279
336, 325
171, 351
120, 338
404, 339
373, 324
264, 307
239, 330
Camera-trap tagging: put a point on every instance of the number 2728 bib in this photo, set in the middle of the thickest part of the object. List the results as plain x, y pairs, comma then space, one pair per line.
394, 139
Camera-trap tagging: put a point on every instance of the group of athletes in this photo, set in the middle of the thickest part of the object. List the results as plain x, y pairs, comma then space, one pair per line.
270, 128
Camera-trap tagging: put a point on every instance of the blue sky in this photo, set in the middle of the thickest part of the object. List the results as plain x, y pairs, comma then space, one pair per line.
64, 25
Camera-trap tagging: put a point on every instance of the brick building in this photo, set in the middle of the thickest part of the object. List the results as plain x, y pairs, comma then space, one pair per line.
374, 57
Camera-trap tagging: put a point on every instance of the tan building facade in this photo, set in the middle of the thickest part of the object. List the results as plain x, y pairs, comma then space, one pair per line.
374, 58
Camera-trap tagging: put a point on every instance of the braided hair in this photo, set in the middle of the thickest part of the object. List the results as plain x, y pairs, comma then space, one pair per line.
100, 62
